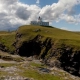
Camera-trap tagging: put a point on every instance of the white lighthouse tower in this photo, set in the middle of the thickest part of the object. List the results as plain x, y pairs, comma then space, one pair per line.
39, 22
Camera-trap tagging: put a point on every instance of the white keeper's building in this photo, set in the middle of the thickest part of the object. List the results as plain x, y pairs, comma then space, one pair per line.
39, 22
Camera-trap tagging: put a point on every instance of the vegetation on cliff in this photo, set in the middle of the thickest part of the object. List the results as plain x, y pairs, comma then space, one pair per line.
29, 32
47, 43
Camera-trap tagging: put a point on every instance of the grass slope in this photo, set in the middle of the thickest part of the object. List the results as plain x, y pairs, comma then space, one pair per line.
30, 31
67, 37
7, 38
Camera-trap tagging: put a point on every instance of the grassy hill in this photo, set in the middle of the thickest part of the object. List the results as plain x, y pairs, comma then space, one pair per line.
48, 43
67, 37
30, 31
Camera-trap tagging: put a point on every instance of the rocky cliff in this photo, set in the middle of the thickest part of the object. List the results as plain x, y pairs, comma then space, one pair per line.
55, 47
52, 53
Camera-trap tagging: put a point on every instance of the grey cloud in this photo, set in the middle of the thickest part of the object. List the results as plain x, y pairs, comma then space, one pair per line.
6, 25
71, 12
2, 15
23, 13
7, 2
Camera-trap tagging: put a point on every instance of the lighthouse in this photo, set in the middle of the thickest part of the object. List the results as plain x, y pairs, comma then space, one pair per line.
39, 22
39, 19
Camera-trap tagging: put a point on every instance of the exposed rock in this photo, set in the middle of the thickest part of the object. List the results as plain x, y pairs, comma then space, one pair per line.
55, 63
37, 30
66, 57
45, 70
3, 48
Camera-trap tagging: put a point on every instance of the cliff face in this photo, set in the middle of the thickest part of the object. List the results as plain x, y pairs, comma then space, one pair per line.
68, 57
34, 47
70, 60
30, 48
49, 44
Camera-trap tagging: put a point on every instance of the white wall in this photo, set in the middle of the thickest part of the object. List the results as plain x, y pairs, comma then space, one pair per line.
40, 23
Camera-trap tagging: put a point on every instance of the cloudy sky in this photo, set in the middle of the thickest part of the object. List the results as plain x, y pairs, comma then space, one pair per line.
63, 14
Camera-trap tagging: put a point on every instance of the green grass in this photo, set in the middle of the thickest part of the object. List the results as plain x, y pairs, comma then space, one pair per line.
2, 73
7, 64
68, 37
28, 32
37, 65
49, 32
7, 39
38, 76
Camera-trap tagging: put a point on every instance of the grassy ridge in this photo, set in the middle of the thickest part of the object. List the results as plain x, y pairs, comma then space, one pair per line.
7, 39
67, 37
50, 32
30, 31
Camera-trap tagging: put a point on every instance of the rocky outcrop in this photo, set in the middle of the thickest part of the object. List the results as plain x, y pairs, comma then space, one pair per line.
67, 57
16, 42
33, 47
70, 60
3, 48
